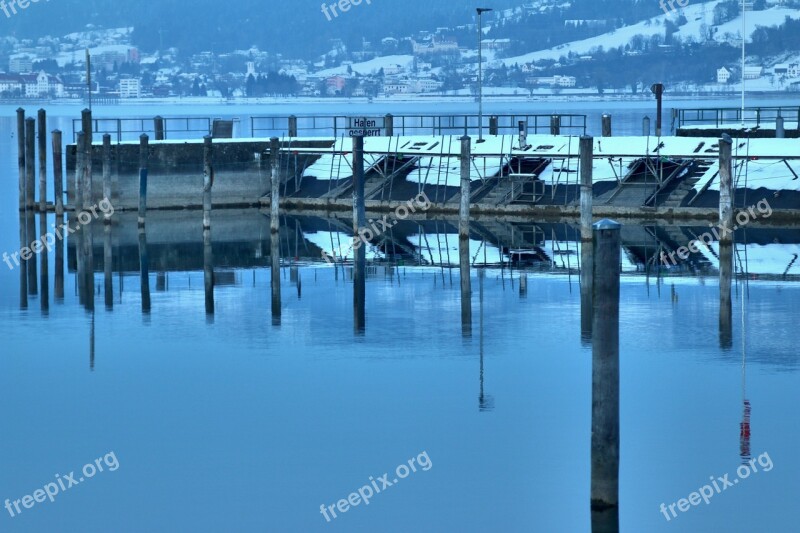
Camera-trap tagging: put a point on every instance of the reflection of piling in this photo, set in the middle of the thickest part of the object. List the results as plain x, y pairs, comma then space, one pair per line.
21, 155
144, 156
58, 284
587, 311
42, 161
466, 286
108, 267
359, 211
23, 267
275, 284
58, 173
523, 286
463, 212
208, 272
360, 290
605, 368
30, 162
725, 190
33, 282
80, 167
606, 121
44, 295
86, 120
586, 161
144, 271
107, 167
88, 251
725, 304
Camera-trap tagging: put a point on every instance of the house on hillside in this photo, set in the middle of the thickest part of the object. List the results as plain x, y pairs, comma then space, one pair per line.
753, 73
723, 75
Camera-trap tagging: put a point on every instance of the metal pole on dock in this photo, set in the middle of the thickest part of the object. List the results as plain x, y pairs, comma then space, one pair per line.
587, 162
555, 125
158, 127
144, 156
725, 190
646, 126
463, 212
605, 373
21, 156
30, 162
107, 169
359, 211
58, 173
42, 116
208, 180
606, 125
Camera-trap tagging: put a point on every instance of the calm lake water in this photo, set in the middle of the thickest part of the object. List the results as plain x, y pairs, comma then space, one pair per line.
237, 423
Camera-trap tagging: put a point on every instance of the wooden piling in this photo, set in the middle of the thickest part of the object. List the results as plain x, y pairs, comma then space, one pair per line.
359, 210
144, 157
58, 173
494, 125
605, 368
87, 128
21, 146
208, 180
30, 162
555, 125
586, 162
158, 128
80, 169
780, 130
466, 168
107, 170
389, 123
292, 126
466, 286
725, 190
42, 122
725, 303
606, 119
275, 183
587, 289
523, 134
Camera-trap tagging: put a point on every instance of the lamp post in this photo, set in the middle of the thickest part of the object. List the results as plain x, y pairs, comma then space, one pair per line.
481, 11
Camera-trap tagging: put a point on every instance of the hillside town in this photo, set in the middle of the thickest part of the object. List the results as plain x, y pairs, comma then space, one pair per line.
430, 63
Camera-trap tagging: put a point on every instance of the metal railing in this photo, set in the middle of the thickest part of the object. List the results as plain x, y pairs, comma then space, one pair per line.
731, 116
129, 129
337, 125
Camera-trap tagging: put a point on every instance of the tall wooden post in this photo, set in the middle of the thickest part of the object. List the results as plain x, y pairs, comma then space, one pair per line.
21, 147
587, 162
605, 370
158, 127
42, 116
292, 126
80, 169
88, 127
555, 125
107, 168
359, 210
494, 125
144, 157
30, 162
606, 125
58, 173
275, 226
463, 211
208, 180
389, 123
725, 190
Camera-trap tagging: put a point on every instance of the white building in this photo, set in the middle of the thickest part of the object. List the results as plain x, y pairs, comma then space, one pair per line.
20, 64
130, 88
723, 75
753, 73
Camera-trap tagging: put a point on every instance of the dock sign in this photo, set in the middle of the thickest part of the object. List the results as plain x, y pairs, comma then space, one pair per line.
366, 127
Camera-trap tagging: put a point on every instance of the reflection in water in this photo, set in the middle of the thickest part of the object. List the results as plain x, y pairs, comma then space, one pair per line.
108, 264
587, 271
725, 310
31, 263
275, 257
485, 401
359, 291
208, 272
45, 266
144, 271
466, 287
23, 267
